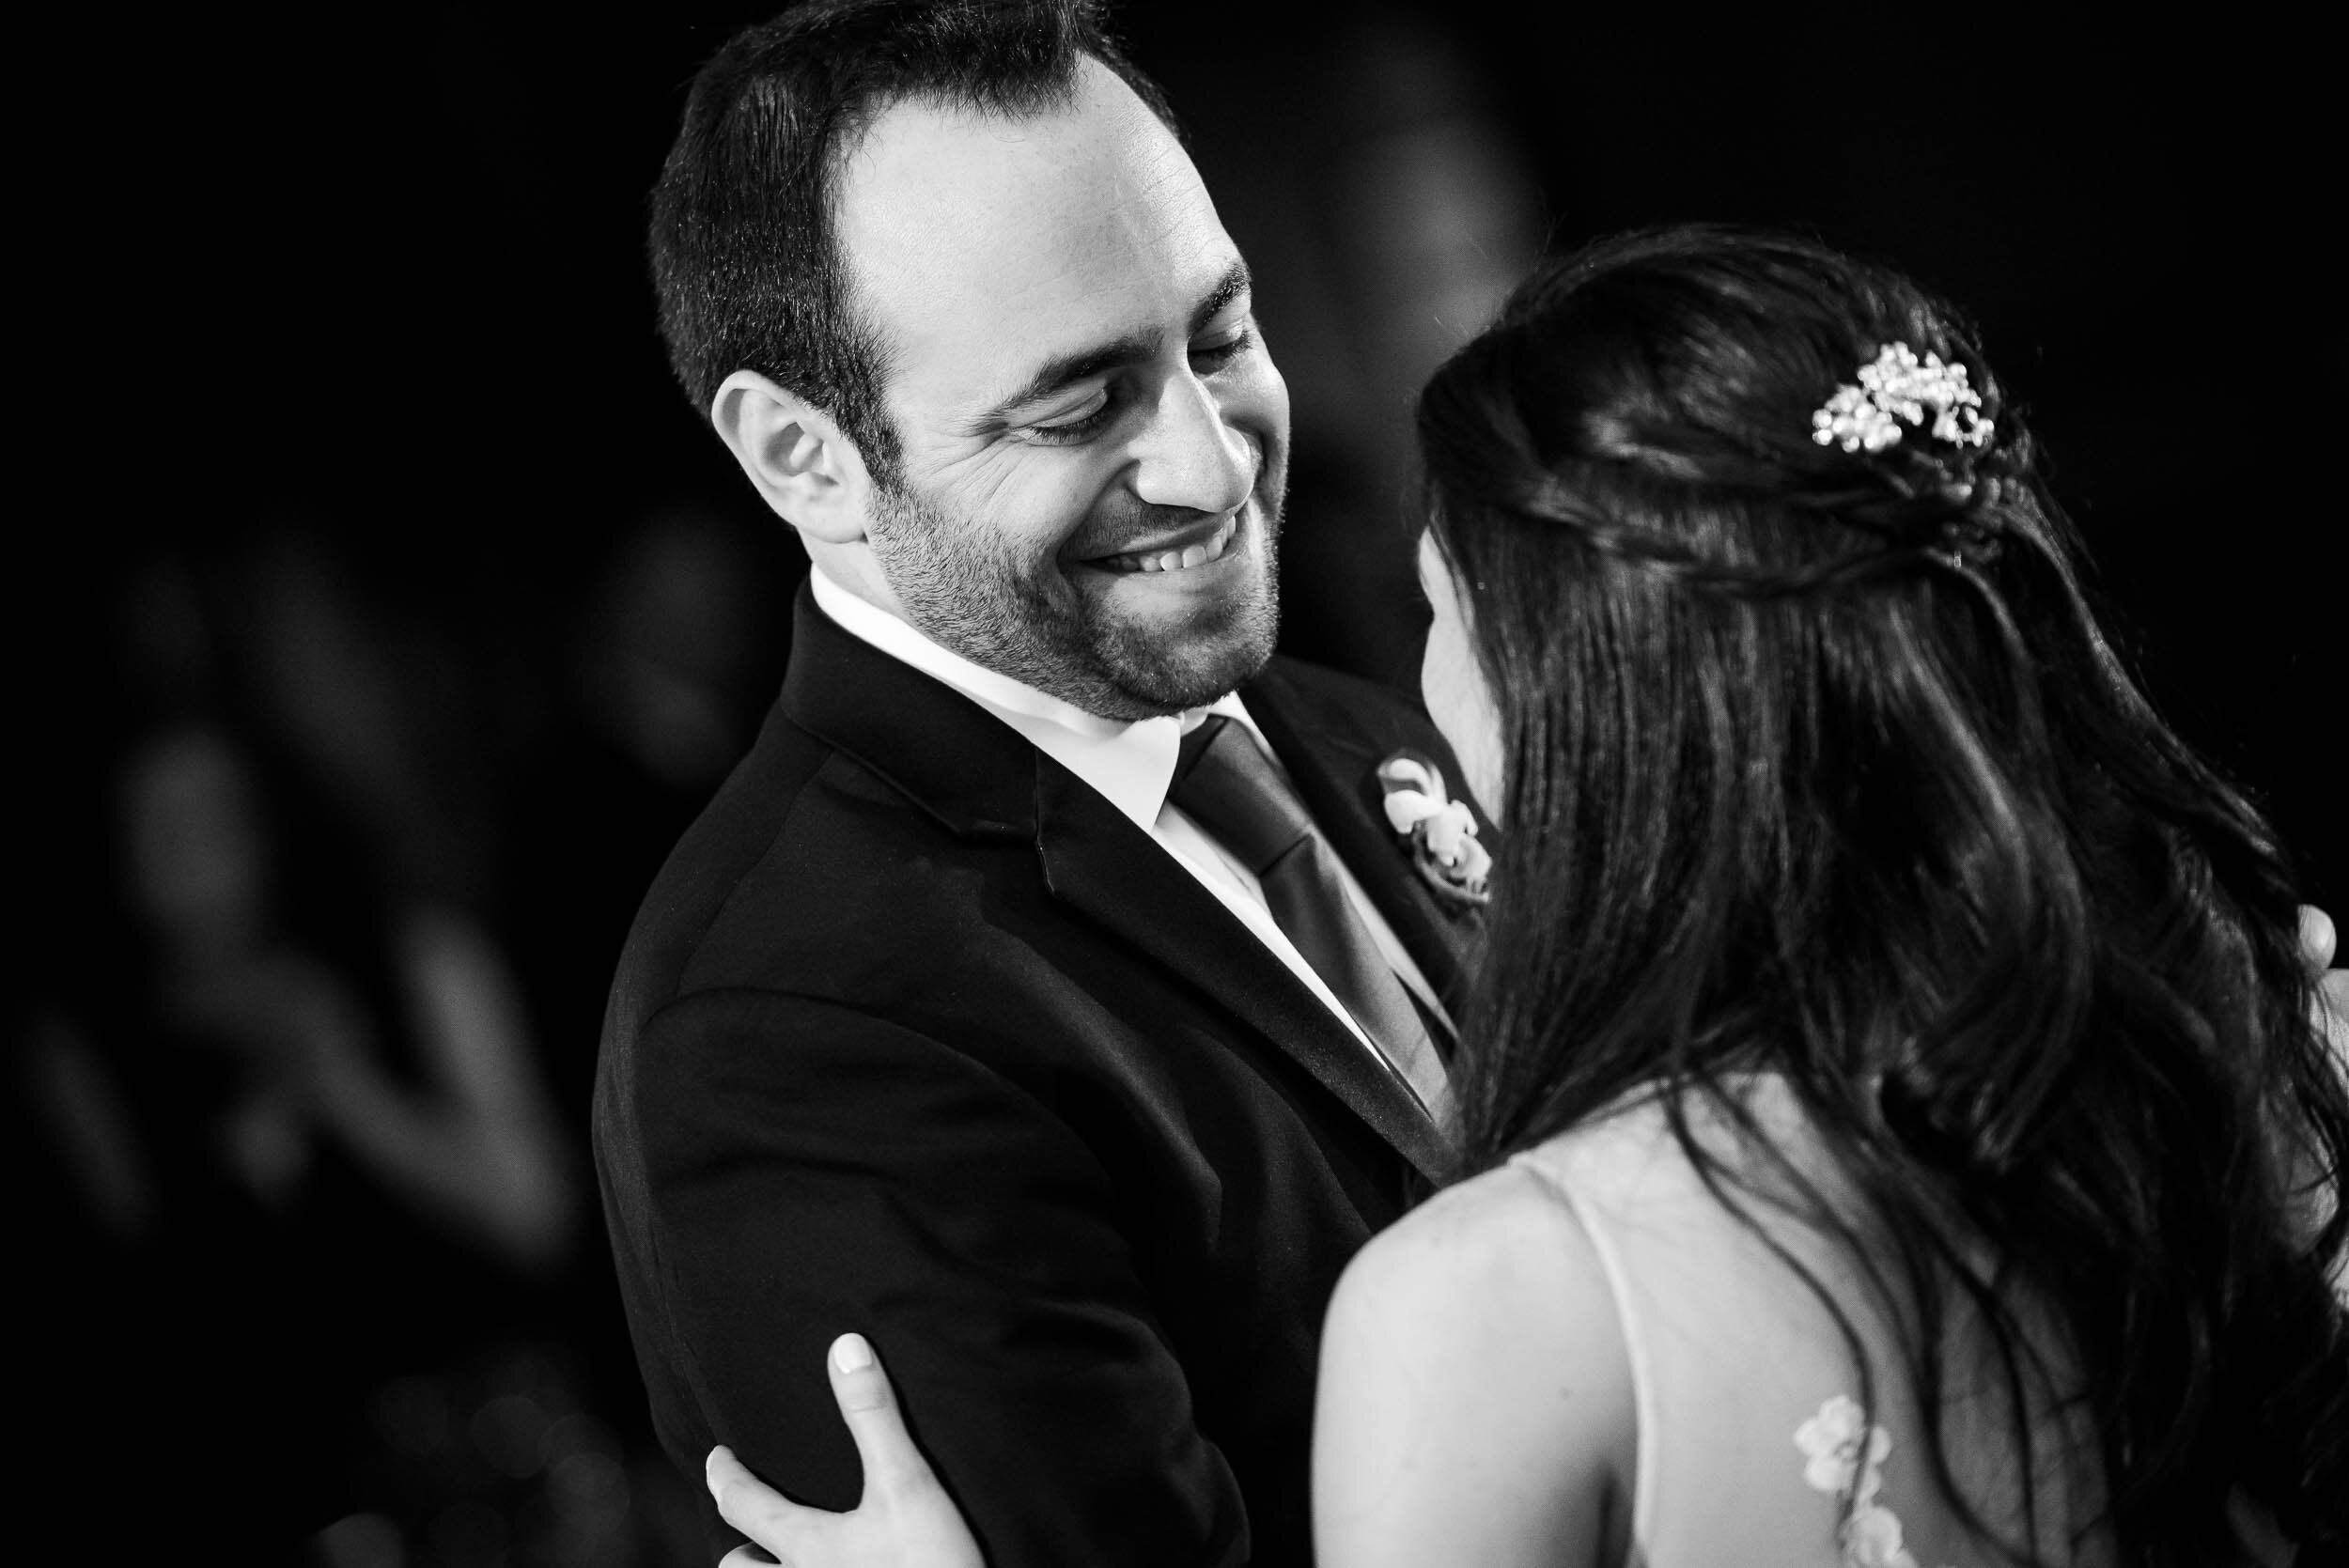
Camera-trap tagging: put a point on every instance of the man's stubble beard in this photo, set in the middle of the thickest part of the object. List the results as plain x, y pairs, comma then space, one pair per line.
974, 602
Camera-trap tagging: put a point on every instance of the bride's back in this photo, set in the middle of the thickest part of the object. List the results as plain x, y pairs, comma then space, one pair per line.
1762, 1354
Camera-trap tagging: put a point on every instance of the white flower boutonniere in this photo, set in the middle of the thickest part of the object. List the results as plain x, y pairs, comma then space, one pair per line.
1440, 833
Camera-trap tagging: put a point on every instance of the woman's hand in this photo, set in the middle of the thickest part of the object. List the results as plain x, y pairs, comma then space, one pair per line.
2331, 1003
904, 1518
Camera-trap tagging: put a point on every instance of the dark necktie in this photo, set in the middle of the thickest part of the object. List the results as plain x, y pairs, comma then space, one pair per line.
1224, 783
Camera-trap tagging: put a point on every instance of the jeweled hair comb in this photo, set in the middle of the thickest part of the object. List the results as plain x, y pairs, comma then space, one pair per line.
1898, 388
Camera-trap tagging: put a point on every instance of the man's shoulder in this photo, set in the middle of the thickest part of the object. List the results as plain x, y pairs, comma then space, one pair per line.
725, 849
1319, 701
1326, 684
803, 845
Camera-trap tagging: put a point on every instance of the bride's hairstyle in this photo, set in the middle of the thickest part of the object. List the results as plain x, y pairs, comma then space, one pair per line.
1819, 764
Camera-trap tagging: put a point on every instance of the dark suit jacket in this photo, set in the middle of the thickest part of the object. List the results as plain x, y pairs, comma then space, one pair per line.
917, 1035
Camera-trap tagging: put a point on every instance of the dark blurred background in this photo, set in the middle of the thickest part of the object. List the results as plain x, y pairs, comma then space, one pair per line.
400, 614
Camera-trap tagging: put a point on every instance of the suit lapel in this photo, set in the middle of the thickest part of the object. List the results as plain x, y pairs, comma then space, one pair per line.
941, 750
1101, 866
1333, 761
982, 779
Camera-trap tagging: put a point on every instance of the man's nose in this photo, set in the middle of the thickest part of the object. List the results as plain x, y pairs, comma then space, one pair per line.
1188, 455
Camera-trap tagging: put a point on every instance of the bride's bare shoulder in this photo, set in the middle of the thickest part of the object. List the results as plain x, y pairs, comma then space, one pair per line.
1475, 1390
1506, 1226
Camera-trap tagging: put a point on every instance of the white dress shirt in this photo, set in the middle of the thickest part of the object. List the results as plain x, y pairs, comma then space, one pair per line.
1131, 764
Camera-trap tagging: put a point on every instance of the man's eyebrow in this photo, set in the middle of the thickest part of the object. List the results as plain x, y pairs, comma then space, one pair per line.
1063, 371
1230, 286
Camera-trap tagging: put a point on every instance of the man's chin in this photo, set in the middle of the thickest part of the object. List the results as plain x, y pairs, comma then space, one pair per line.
1162, 674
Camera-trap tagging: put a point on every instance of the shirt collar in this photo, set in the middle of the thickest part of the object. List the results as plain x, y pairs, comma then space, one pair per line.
1130, 763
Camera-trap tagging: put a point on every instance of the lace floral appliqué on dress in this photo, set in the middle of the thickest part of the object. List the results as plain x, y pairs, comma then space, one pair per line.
1844, 1457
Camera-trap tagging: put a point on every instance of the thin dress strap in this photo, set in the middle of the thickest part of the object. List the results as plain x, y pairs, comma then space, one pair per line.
1643, 1405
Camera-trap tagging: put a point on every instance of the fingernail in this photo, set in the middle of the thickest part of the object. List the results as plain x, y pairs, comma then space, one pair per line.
850, 1352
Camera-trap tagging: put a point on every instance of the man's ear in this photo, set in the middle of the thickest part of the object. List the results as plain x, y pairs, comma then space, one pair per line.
796, 456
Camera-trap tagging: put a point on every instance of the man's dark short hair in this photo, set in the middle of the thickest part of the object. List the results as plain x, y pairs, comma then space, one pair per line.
745, 253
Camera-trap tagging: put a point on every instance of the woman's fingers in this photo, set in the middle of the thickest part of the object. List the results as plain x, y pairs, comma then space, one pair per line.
905, 1519
2316, 939
747, 1557
753, 1507
2330, 1006
893, 1466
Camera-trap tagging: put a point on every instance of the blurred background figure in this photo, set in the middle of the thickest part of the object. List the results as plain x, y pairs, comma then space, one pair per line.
312, 1132
326, 1218
394, 1044
359, 729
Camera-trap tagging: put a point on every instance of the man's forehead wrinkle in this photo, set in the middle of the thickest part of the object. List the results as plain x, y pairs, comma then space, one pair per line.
1166, 164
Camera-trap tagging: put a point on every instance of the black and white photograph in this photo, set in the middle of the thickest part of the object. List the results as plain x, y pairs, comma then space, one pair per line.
921, 784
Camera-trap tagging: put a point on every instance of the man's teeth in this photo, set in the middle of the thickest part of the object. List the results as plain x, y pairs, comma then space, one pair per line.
1176, 560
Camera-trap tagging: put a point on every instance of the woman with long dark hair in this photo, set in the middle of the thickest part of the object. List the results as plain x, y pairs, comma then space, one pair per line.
1892, 1129
1913, 1028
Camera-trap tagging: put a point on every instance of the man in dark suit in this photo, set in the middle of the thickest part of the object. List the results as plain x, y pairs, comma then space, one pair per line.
966, 1016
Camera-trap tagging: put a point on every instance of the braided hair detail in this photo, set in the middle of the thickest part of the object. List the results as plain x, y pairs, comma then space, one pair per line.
1928, 506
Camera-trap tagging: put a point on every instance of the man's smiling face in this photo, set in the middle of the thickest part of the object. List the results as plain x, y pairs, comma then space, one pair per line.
1094, 439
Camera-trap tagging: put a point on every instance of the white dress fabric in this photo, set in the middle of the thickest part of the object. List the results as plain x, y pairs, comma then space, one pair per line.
1750, 1434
